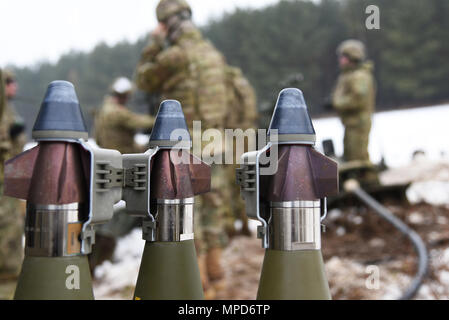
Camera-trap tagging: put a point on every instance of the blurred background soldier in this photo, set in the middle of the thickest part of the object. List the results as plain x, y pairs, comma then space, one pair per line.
241, 114
354, 100
180, 64
11, 218
115, 128
115, 124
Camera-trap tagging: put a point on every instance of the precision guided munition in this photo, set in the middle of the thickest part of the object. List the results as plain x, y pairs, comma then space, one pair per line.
68, 188
166, 179
290, 202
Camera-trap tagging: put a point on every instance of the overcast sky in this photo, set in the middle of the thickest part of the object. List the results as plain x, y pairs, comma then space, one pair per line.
33, 31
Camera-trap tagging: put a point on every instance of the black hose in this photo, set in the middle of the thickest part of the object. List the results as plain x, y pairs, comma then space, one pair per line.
420, 248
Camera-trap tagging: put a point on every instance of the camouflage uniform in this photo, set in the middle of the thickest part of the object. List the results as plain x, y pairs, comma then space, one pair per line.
242, 114
186, 67
14, 123
18, 139
11, 220
115, 128
354, 100
192, 71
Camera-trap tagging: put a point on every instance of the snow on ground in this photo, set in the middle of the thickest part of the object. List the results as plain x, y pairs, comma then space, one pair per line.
431, 192
348, 278
113, 278
429, 180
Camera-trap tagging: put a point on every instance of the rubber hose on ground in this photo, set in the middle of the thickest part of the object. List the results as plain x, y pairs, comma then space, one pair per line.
418, 243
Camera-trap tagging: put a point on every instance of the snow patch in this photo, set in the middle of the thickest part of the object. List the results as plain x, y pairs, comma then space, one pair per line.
122, 272
432, 192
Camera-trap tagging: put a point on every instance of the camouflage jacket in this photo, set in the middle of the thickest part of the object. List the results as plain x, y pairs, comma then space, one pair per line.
191, 71
5, 141
116, 126
241, 100
354, 95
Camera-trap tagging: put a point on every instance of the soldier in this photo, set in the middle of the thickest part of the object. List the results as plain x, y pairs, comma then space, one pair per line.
242, 114
11, 219
115, 124
180, 64
115, 128
354, 99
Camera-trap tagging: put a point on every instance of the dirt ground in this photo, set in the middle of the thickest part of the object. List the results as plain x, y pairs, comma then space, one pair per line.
355, 239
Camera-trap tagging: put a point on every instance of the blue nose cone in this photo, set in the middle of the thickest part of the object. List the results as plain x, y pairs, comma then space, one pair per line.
60, 116
291, 119
170, 129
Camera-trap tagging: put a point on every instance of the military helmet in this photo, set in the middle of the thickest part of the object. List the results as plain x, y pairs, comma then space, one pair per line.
167, 8
353, 49
122, 86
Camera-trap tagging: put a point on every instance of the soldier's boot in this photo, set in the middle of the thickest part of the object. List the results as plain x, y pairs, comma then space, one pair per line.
102, 250
230, 230
209, 291
215, 269
245, 227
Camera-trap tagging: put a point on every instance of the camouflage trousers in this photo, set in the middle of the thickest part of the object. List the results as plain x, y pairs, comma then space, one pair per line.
11, 235
210, 212
356, 142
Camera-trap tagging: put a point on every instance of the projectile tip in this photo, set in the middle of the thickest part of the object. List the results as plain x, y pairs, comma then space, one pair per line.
60, 115
291, 118
170, 128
